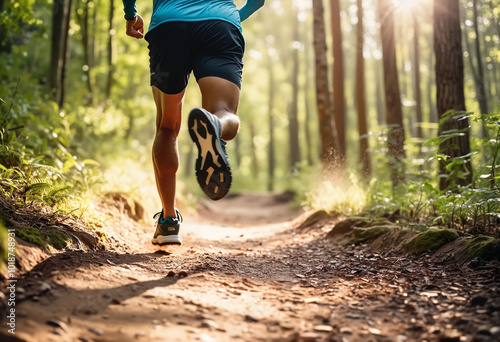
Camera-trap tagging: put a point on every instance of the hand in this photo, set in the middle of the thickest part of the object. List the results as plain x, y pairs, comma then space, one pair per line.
135, 27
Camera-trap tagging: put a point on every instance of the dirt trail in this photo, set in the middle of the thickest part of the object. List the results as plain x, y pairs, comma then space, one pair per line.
246, 273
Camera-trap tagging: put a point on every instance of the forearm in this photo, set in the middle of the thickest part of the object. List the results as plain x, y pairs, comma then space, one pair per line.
250, 7
129, 8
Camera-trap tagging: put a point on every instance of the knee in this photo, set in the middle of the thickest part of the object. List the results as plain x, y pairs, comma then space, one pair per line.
165, 154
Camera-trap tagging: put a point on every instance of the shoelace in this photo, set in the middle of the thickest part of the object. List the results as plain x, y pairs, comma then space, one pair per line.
160, 214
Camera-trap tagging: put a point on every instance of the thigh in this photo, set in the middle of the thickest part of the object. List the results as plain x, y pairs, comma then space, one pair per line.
170, 56
219, 94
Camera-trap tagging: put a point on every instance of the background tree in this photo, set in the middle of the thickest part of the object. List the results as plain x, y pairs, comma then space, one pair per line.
364, 155
450, 94
481, 94
416, 78
293, 112
59, 50
327, 129
394, 113
338, 81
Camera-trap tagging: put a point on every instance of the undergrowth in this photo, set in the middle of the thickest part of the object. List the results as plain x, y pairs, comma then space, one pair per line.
418, 203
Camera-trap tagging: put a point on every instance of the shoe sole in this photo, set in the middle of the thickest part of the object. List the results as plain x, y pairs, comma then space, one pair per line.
212, 171
166, 240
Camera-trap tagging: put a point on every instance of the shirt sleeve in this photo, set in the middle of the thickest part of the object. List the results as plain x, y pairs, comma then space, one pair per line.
129, 8
250, 7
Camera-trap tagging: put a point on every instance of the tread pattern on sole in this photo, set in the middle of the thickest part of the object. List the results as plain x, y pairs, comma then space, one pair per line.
213, 173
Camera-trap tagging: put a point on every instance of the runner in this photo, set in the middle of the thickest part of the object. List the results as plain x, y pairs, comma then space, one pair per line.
203, 37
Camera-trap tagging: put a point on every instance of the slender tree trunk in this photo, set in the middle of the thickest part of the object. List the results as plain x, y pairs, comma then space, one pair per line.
293, 122
326, 124
482, 97
2, 32
364, 155
59, 49
416, 77
189, 160
379, 94
66, 54
87, 52
253, 149
308, 114
338, 81
396, 138
237, 151
111, 50
450, 91
271, 164
493, 19
433, 117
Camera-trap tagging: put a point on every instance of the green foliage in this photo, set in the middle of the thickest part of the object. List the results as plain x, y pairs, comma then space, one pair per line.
419, 202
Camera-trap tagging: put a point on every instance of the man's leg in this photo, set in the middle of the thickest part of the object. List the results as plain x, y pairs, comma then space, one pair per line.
221, 98
209, 128
165, 150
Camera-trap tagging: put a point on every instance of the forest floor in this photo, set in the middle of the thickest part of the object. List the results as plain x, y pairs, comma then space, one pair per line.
247, 271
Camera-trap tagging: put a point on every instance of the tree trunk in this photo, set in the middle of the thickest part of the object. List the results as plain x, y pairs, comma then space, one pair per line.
416, 79
253, 148
87, 52
237, 151
308, 114
396, 137
59, 49
111, 50
493, 19
327, 129
379, 85
364, 155
65, 59
2, 32
433, 117
482, 98
338, 81
271, 165
450, 92
293, 122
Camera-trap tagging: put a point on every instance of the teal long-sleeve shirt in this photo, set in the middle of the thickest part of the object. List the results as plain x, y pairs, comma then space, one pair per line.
196, 10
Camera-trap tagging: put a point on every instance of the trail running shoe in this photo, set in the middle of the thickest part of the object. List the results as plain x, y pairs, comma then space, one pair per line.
212, 165
167, 230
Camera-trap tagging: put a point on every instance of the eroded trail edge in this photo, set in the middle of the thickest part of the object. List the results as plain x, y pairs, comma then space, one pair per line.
247, 273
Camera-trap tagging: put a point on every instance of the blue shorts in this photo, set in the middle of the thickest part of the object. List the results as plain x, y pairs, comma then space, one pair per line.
208, 48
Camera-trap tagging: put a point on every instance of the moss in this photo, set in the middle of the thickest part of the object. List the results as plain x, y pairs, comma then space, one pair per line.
57, 239
3, 245
54, 237
485, 247
430, 240
101, 236
31, 235
369, 234
4, 218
